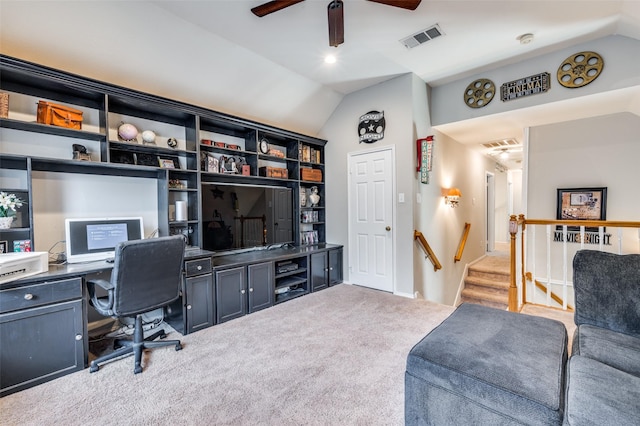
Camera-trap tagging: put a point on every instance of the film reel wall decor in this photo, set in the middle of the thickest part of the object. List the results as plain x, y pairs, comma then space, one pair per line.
580, 69
479, 93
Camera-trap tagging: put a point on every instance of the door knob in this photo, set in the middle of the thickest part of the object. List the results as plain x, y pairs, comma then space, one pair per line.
388, 228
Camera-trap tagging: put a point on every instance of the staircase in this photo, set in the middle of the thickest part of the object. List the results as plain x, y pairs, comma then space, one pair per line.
487, 282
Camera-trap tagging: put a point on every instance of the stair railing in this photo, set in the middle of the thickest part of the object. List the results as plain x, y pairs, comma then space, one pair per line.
546, 260
463, 242
417, 235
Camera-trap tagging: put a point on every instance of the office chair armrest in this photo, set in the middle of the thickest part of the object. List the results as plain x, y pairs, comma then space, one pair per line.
102, 283
102, 304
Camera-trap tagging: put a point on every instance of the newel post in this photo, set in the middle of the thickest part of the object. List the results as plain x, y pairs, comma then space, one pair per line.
513, 289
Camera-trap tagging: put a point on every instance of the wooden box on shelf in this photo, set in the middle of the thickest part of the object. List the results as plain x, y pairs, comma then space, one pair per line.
276, 172
59, 115
313, 175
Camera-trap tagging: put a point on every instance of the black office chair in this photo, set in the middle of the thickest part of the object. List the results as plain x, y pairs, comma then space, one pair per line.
146, 276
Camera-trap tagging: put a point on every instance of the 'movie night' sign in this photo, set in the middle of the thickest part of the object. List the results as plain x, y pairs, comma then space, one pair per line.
531, 85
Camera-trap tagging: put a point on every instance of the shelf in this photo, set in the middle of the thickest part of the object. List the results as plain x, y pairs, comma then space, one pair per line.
140, 147
15, 230
50, 130
294, 272
292, 294
106, 105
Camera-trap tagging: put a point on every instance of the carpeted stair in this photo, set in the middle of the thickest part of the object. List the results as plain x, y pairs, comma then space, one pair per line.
487, 282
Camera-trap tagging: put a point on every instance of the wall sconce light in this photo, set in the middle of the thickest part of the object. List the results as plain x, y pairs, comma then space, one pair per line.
453, 197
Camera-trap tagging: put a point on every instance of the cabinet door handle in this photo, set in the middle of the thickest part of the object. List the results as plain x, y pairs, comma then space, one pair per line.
199, 268
28, 296
331, 269
188, 307
78, 336
242, 291
251, 290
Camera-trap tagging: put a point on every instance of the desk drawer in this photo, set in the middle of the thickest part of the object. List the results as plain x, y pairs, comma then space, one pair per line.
198, 266
40, 294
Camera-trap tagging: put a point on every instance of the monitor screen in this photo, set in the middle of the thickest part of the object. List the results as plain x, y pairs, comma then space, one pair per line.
96, 238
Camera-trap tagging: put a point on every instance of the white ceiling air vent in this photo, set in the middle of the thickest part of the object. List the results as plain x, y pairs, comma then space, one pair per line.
503, 143
421, 37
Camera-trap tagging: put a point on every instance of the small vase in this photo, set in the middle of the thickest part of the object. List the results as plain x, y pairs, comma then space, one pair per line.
5, 222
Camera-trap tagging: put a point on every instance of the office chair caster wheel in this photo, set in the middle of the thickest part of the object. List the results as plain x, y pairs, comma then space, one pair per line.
94, 368
178, 347
137, 369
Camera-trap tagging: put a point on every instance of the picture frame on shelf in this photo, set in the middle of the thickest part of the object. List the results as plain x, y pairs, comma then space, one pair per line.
213, 164
169, 162
581, 204
4, 247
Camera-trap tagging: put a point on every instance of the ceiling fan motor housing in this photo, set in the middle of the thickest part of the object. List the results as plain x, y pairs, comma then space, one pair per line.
335, 12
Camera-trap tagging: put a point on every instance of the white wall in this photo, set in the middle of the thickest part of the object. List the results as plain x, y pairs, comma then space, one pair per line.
394, 97
621, 69
454, 166
57, 196
596, 152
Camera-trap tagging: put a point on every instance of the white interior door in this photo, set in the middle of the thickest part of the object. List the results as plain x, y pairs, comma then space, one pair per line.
371, 219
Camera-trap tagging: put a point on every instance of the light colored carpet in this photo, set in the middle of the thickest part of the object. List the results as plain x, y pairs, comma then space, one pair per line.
333, 357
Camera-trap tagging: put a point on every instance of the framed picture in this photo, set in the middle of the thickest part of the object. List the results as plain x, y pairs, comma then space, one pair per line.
582, 204
169, 161
4, 246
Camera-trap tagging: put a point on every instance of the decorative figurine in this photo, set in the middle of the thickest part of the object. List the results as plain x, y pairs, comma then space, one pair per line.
148, 137
314, 197
128, 132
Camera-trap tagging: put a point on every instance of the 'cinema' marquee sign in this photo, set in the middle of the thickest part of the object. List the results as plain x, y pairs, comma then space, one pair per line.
531, 85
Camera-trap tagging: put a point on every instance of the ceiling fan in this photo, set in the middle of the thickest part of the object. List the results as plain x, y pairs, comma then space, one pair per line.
334, 11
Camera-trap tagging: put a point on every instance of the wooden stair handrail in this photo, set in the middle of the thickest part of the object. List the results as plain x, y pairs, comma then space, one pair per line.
463, 242
543, 288
417, 235
516, 222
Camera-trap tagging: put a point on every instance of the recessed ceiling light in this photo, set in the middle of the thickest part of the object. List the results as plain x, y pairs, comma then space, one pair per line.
525, 38
330, 59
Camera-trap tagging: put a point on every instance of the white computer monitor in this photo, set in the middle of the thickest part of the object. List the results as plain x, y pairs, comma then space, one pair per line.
93, 239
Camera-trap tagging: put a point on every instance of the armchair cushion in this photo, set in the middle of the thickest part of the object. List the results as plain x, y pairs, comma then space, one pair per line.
600, 395
607, 290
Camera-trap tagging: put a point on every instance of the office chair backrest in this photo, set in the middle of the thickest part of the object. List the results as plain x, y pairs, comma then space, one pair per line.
146, 274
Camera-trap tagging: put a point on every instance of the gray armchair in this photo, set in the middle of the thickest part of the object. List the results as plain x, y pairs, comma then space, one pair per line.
604, 369
146, 276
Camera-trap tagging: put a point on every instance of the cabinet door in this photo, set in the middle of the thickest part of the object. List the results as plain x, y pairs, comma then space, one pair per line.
319, 275
41, 344
261, 289
282, 216
335, 266
230, 294
199, 302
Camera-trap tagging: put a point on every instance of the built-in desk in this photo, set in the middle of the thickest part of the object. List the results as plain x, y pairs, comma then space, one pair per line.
43, 323
44, 320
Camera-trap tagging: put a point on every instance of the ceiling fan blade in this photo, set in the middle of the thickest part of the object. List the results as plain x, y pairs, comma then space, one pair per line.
273, 6
335, 12
405, 4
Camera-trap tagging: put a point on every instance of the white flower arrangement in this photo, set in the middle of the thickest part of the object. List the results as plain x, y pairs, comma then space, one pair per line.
9, 203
